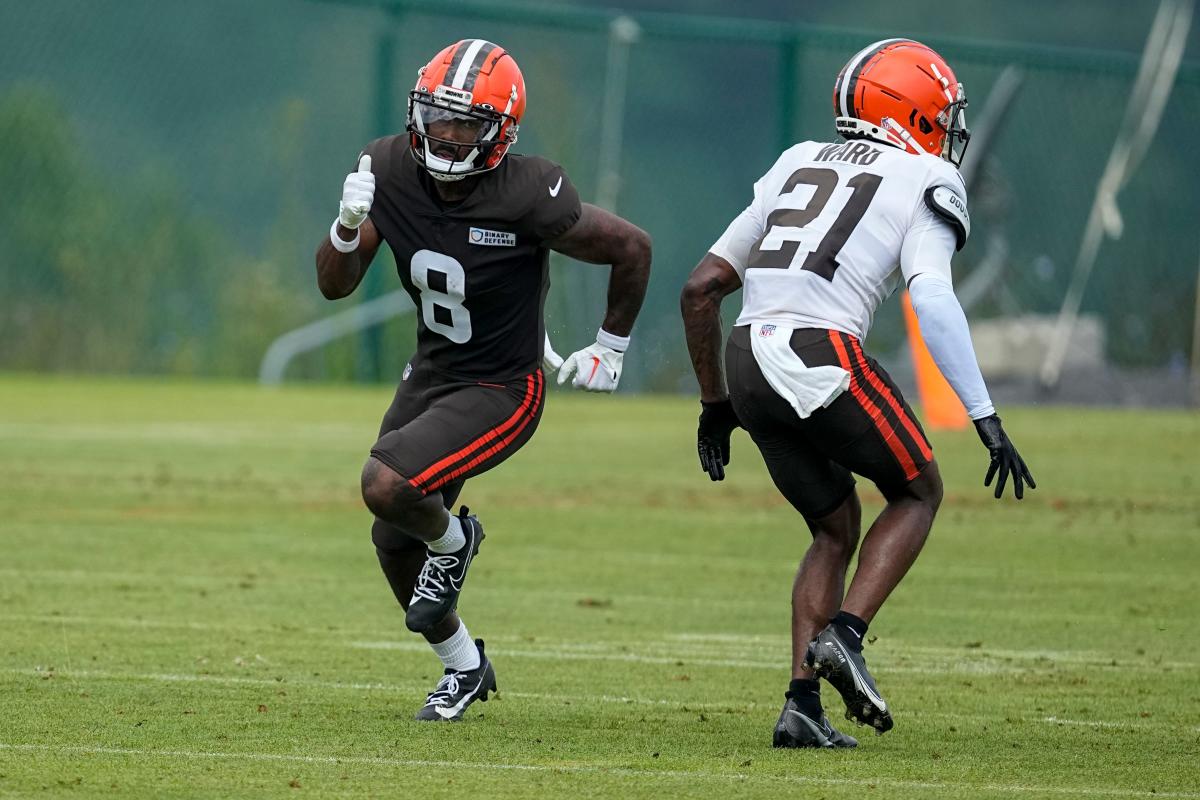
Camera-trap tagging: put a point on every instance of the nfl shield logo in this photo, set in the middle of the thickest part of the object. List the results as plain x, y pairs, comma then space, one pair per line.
767, 330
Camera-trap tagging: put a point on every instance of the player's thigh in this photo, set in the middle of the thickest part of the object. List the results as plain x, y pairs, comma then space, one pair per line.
410, 399
809, 480
870, 429
464, 430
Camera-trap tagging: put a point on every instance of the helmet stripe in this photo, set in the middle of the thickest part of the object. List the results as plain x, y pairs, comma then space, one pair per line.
458, 72
477, 64
850, 78
456, 60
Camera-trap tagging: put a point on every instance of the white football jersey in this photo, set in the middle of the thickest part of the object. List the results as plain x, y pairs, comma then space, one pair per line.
830, 230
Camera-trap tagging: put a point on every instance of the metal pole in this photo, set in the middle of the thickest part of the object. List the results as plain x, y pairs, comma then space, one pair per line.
592, 286
789, 65
1196, 347
369, 361
315, 335
1160, 63
622, 33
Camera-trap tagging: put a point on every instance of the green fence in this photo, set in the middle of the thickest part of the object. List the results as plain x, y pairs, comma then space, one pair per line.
167, 169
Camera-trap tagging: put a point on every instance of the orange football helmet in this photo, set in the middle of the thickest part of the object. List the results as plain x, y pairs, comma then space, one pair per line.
902, 93
477, 86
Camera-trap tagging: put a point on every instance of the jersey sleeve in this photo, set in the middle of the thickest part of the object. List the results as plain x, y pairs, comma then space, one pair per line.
736, 242
556, 206
931, 241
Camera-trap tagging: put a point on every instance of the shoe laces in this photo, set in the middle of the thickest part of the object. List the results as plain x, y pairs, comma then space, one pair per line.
446, 689
432, 579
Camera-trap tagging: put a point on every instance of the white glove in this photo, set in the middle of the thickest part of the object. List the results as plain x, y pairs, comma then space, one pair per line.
358, 192
597, 367
551, 360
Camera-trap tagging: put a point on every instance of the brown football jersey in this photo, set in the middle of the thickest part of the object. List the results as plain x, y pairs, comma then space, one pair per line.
478, 269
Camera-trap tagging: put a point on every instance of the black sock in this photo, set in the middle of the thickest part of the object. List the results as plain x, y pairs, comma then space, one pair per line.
807, 694
851, 628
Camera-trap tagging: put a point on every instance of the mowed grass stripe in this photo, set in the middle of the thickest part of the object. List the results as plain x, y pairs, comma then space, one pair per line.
698, 649
609, 770
683, 705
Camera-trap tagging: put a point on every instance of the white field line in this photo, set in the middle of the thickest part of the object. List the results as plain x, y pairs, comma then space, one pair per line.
1094, 723
684, 659
963, 789
408, 688
1106, 723
702, 649
928, 661
420, 688
779, 641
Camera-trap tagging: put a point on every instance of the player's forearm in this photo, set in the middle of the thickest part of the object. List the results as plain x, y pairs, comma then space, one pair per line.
701, 308
338, 274
946, 334
627, 286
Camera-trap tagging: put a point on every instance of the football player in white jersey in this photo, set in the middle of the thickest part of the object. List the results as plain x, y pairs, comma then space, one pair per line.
832, 230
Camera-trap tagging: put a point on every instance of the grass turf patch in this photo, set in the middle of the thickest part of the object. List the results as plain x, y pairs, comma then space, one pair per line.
190, 606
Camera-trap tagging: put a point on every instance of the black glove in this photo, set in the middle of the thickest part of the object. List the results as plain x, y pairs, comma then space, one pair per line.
1005, 458
717, 421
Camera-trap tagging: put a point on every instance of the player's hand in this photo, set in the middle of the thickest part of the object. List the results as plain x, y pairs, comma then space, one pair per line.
717, 421
595, 368
1005, 458
358, 192
551, 360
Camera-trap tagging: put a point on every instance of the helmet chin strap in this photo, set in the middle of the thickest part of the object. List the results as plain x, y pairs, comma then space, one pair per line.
901, 133
854, 128
887, 132
444, 177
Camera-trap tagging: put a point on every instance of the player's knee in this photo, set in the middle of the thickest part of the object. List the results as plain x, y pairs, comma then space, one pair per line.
927, 487
386, 492
839, 527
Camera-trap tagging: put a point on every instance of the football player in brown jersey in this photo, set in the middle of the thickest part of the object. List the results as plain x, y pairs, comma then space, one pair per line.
471, 226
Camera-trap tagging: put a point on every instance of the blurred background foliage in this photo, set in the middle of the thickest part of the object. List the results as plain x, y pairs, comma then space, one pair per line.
167, 168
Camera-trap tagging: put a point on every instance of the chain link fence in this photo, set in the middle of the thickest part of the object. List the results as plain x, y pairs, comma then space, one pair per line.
167, 169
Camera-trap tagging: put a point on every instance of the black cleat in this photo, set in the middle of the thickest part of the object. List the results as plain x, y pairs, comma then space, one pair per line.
457, 690
441, 579
797, 729
832, 659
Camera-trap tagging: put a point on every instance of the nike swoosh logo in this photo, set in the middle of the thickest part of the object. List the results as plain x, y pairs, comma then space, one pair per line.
554, 189
822, 736
860, 683
454, 710
457, 584
595, 366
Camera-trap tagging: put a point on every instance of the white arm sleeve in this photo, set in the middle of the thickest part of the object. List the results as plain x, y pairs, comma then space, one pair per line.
944, 329
928, 246
746, 229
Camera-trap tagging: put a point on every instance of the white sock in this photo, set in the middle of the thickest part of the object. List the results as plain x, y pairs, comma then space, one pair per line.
459, 652
451, 541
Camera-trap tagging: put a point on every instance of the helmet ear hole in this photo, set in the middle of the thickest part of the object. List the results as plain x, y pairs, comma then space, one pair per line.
924, 125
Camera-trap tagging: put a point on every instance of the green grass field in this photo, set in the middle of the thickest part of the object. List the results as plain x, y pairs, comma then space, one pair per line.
190, 606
